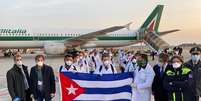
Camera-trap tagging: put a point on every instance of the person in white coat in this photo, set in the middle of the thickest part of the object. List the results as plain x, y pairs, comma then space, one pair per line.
143, 78
83, 63
106, 67
68, 64
131, 65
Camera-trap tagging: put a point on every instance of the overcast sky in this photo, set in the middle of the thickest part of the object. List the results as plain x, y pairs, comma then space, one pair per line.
97, 14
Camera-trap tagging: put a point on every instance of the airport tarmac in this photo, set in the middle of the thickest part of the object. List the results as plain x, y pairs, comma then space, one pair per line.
28, 59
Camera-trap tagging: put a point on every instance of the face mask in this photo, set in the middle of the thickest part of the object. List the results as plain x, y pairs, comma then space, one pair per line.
40, 64
69, 63
141, 63
134, 60
176, 65
176, 52
19, 63
81, 57
195, 58
160, 64
106, 62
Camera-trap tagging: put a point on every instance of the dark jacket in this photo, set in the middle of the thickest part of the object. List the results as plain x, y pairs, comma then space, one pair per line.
15, 82
160, 94
196, 69
178, 83
48, 81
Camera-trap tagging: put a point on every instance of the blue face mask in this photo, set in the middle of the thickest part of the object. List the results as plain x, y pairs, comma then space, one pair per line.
195, 57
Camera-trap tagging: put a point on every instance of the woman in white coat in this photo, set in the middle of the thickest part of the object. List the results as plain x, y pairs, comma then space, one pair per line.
143, 78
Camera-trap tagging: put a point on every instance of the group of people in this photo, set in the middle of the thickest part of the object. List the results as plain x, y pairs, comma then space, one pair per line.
170, 79
38, 85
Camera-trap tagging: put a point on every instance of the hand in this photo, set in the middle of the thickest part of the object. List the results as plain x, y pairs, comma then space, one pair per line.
52, 95
17, 99
134, 85
32, 96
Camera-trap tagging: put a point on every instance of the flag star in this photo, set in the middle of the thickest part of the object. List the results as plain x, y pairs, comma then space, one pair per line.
71, 90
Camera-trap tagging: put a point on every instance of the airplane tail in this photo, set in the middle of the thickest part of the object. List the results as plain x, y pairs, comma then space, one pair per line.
151, 34
153, 20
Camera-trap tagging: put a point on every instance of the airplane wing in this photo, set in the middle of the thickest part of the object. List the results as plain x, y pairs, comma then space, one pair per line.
82, 39
167, 32
108, 44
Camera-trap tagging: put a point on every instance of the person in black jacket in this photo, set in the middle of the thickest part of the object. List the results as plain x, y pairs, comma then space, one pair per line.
195, 65
160, 94
18, 81
178, 81
42, 80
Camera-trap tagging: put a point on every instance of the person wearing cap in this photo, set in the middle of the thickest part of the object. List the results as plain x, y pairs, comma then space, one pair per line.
160, 94
177, 51
131, 65
106, 67
68, 64
178, 80
122, 60
195, 65
42, 79
76, 59
90, 63
95, 60
143, 78
83, 63
18, 81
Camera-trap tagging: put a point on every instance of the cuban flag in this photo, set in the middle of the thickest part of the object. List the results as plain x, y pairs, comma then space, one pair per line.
93, 87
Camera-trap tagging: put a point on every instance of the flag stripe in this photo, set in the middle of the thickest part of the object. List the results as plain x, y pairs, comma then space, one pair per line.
104, 84
102, 100
97, 77
104, 97
108, 90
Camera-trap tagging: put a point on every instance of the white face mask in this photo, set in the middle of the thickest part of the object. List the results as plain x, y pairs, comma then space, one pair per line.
81, 57
40, 64
195, 58
176, 65
69, 63
106, 62
176, 52
19, 63
134, 60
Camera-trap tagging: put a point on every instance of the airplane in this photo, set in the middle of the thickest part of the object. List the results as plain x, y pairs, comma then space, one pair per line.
109, 37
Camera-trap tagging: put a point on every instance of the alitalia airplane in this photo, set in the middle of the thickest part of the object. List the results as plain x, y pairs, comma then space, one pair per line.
109, 37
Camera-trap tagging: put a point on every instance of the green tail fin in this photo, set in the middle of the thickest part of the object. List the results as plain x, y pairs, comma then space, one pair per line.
153, 20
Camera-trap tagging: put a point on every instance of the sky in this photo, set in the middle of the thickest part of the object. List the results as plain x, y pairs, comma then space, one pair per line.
98, 14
